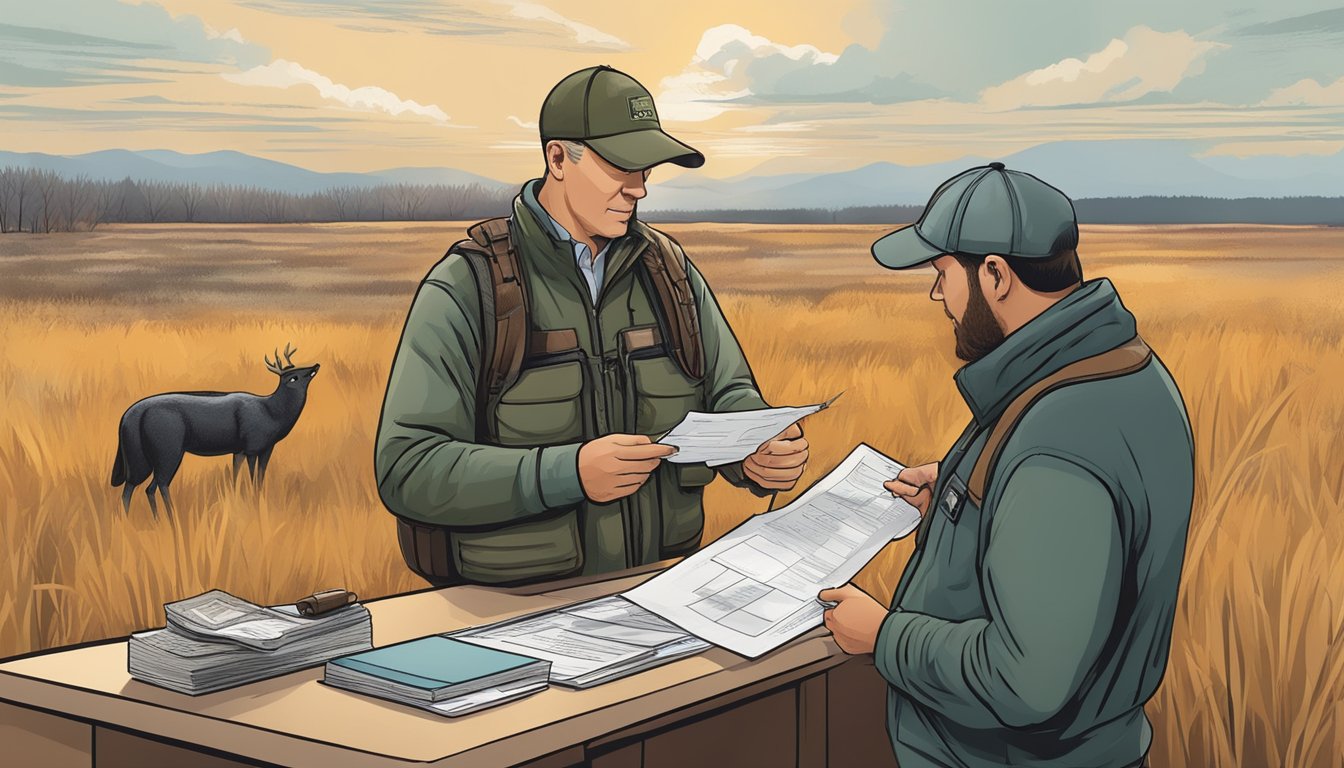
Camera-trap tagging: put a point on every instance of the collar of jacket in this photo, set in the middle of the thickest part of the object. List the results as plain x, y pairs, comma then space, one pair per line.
534, 222
1087, 322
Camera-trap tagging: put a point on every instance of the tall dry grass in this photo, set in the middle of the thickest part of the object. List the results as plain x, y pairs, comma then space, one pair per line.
1246, 318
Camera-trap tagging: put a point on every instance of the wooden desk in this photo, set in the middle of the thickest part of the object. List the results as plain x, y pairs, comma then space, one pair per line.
806, 704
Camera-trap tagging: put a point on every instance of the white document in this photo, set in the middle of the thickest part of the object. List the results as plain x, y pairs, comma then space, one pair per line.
588, 638
755, 588
484, 698
723, 438
218, 614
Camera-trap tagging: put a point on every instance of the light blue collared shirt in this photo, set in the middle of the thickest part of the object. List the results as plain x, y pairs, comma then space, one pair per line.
592, 269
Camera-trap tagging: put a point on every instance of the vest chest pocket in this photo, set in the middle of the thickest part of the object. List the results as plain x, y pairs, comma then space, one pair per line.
663, 394
544, 407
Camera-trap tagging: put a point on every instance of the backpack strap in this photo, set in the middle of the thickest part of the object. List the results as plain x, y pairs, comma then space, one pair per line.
495, 263
1124, 359
665, 263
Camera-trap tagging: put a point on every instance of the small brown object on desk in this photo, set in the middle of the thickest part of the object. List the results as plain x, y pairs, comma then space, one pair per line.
805, 704
325, 601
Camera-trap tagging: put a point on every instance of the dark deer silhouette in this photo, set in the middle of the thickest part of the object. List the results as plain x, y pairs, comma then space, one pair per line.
156, 431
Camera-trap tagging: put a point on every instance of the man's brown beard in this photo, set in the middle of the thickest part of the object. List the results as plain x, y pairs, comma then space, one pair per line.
978, 333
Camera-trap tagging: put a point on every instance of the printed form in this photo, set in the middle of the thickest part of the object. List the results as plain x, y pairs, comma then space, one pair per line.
723, 438
755, 588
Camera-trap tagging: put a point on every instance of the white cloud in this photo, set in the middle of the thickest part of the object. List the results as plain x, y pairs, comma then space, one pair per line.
731, 63
696, 95
583, 33
733, 67
521, 123
1144, 62
286, 74
726, 46
232, 34
1308, 92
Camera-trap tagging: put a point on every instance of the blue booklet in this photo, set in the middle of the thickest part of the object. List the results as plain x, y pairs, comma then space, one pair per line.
438, 669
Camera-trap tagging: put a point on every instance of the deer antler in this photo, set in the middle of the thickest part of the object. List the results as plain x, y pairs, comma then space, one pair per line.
274, 367
288, 352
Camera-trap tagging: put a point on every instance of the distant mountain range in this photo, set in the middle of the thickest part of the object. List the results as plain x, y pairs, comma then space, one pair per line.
1083, 169
228, 167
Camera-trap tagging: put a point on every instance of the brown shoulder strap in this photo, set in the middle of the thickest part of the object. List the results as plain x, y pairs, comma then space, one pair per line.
1127, 358
502, 358
666, 265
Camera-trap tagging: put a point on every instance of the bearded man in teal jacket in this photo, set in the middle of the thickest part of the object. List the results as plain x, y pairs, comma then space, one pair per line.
1034, 619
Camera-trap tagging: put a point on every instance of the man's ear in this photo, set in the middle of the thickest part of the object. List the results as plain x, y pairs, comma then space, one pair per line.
555, 159
1000, 278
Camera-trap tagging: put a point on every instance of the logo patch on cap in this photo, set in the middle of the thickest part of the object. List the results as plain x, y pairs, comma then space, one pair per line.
641, 108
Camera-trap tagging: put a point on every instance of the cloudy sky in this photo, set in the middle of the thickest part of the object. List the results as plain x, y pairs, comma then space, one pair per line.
770, 85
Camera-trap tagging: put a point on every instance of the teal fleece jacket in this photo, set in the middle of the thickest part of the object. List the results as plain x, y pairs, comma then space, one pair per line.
1031, 631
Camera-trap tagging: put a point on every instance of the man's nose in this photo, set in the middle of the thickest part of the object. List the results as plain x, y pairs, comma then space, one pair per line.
635, 186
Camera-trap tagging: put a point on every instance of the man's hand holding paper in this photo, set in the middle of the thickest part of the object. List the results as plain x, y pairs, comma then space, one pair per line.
715, 439
915, 485
778, 463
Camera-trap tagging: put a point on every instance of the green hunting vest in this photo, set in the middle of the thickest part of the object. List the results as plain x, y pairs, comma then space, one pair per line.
586, 375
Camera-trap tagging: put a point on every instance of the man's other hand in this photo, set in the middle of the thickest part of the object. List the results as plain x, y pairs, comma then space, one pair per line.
778, 463
915, 485
855, 619
615, 466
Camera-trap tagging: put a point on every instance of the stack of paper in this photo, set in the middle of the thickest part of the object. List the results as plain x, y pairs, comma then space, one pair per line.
591, 642
440, 674
755, 588
217, 615
206, 658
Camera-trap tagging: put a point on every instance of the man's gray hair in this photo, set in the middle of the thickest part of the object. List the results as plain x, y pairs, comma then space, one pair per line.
573, 149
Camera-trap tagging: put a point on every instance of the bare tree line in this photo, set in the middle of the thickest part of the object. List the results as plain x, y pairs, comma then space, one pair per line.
43, 201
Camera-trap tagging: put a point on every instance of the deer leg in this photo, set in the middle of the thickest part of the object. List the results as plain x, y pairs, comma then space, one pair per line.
164, 452
126, 497
252, 467
262, 461
163, 475
237, 463
149, 494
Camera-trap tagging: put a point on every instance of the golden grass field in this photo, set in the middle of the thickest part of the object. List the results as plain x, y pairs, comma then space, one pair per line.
1249, 320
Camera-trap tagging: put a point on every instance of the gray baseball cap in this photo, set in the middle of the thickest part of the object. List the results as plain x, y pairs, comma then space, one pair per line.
985, 210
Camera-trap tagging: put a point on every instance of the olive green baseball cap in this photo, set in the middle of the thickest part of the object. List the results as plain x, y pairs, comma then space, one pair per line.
611, 112
985, 210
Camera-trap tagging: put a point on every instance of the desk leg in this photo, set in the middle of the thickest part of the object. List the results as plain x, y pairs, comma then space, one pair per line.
856, 715
812, 722
31, 737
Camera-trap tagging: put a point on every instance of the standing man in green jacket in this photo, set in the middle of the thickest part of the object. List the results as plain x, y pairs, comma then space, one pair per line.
1034, 619
542, 358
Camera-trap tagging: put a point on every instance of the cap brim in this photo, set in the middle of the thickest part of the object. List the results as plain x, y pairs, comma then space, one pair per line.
904, 249
638, 150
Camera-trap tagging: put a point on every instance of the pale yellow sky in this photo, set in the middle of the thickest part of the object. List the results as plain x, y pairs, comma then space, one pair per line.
355, 85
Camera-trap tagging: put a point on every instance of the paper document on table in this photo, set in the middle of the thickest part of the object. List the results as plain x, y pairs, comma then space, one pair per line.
589, 642
723, 438
755, 588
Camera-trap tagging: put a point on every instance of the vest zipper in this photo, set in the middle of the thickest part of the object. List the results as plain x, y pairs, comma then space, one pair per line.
628, 518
